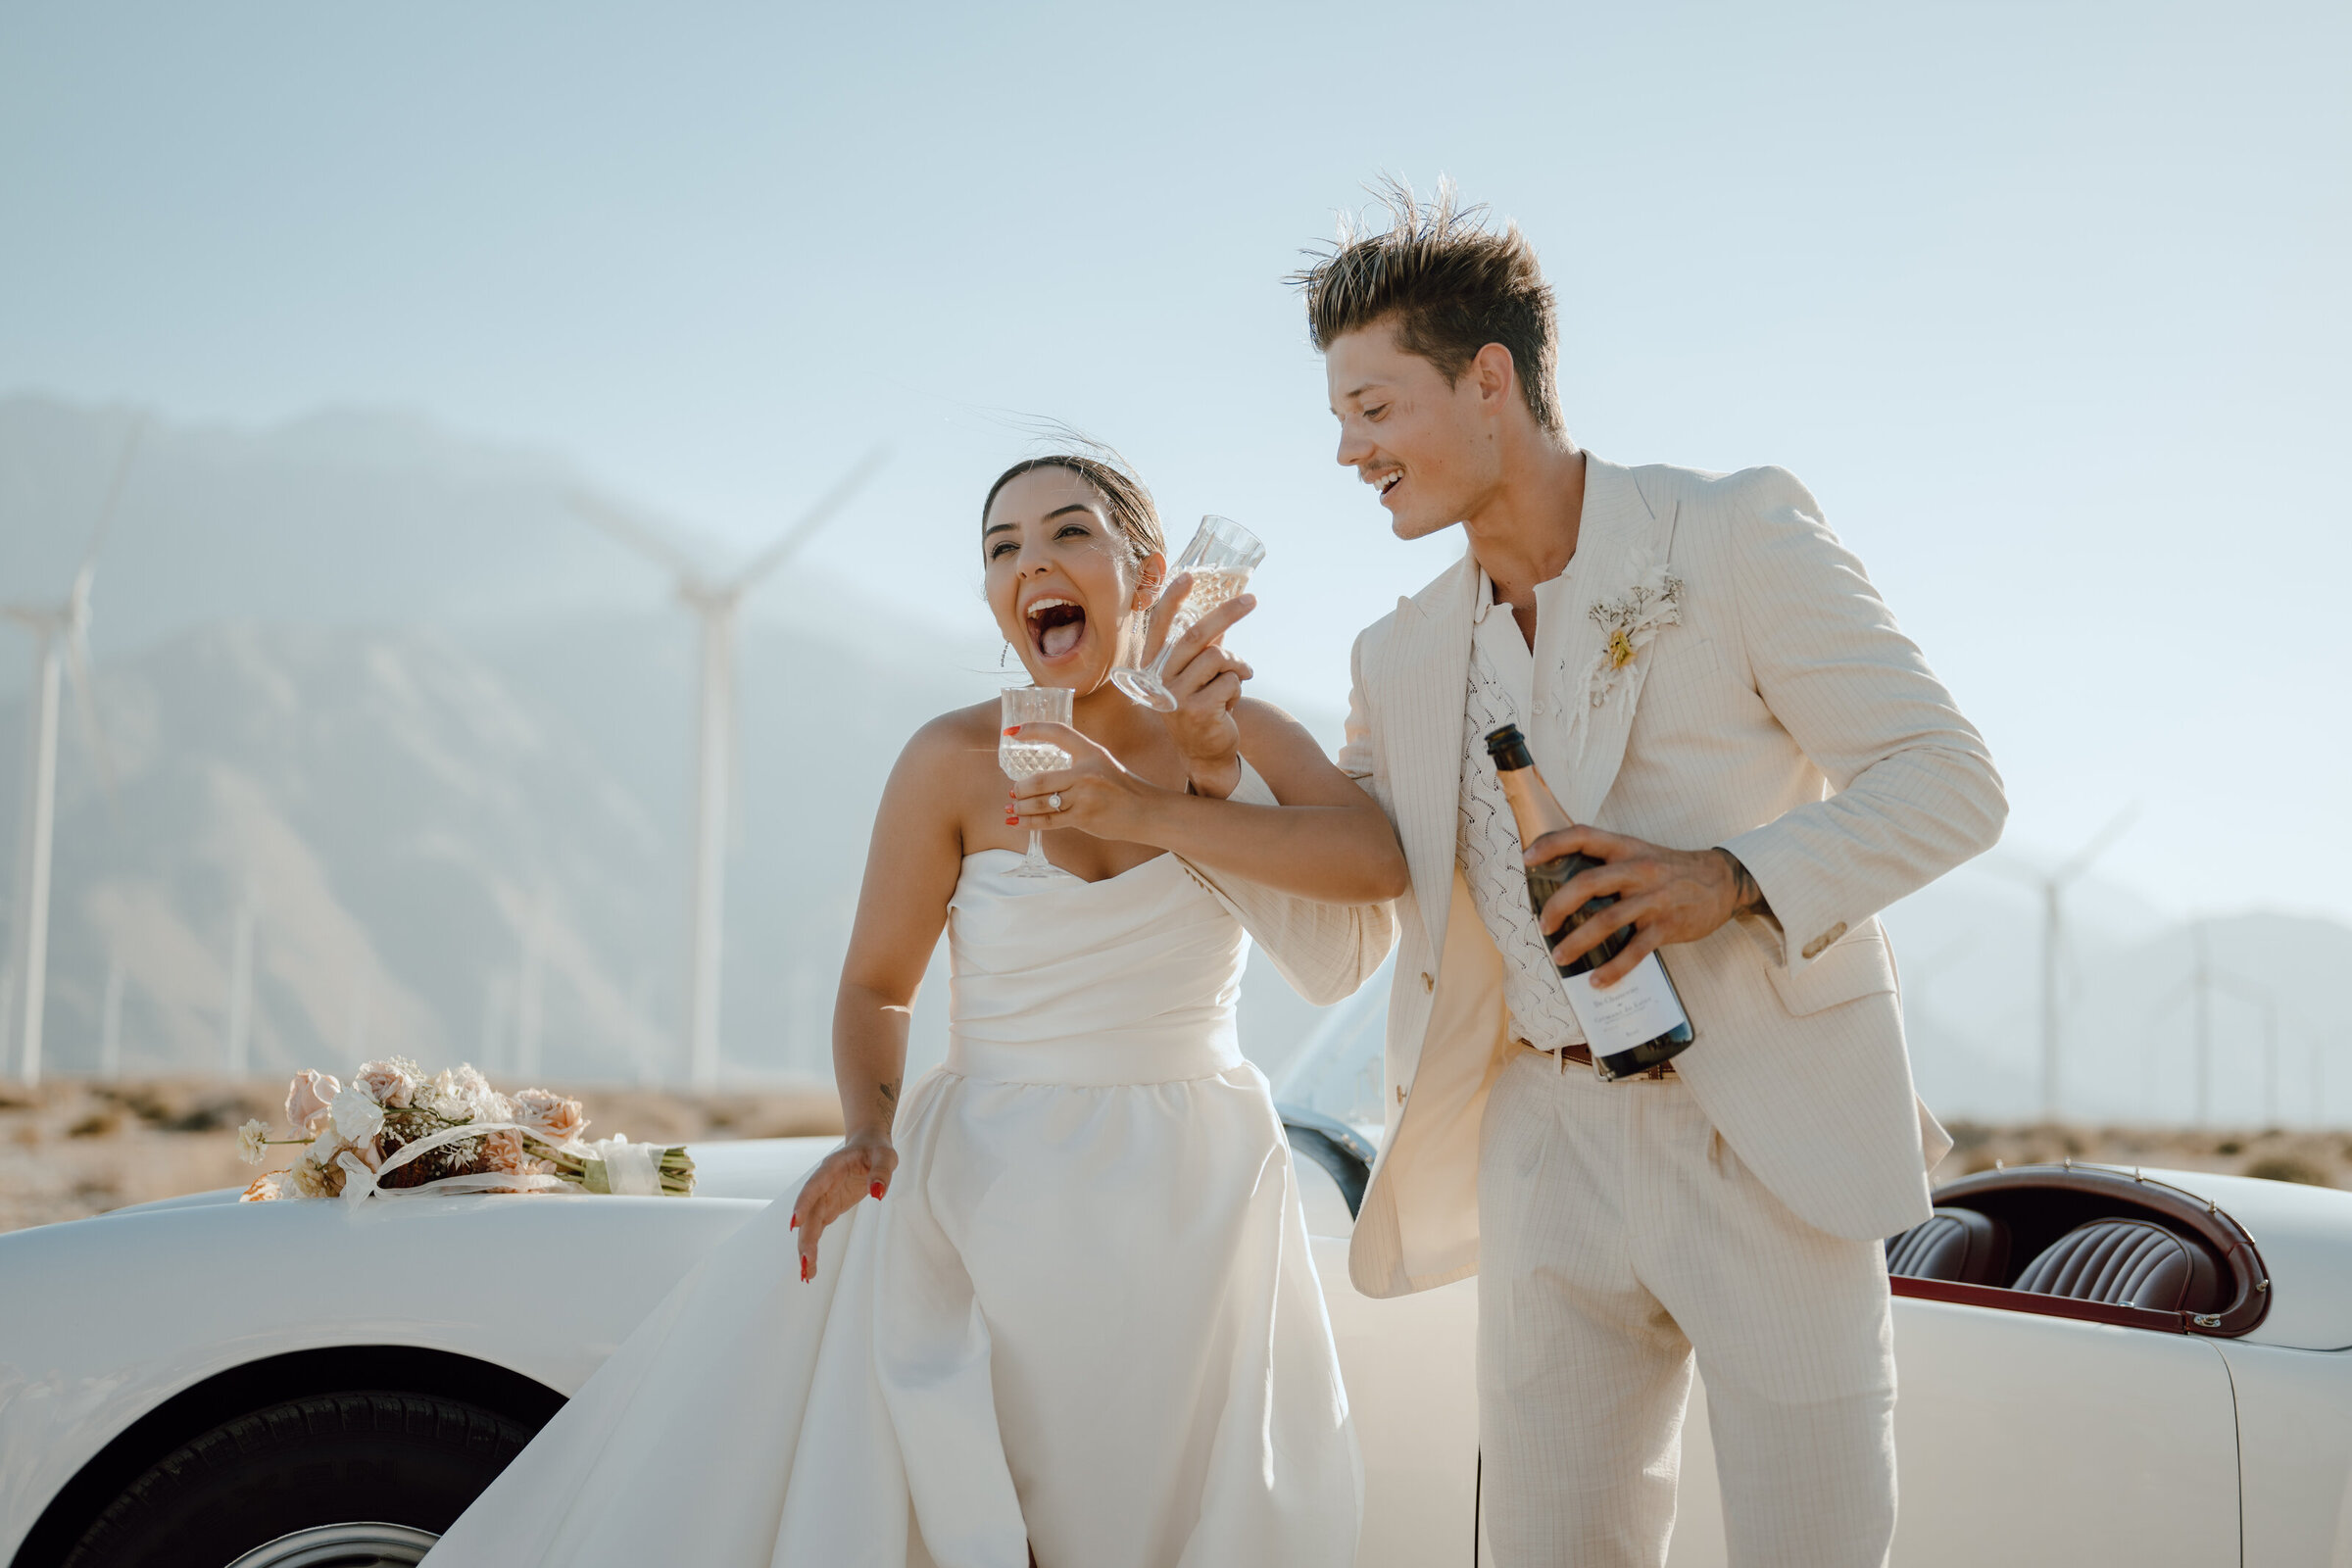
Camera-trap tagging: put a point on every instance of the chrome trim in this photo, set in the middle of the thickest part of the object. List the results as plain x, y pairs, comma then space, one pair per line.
358, 1544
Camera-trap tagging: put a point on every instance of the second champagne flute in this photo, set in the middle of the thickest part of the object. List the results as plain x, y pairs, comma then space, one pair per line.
1220, 557
1021, 759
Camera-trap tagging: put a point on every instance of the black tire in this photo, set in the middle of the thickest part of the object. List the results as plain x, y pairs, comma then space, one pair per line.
397, 1458
1333, 1145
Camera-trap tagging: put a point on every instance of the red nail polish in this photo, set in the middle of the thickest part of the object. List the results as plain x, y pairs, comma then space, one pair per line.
1012, 729
804, 1268
796, 1223
877, 1189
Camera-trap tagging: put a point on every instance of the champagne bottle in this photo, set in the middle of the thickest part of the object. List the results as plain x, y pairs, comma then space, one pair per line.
1638, 1023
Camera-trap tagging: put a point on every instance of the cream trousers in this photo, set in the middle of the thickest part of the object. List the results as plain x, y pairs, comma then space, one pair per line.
1618, 1232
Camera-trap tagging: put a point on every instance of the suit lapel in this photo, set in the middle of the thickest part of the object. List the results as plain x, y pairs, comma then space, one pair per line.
1428, 664
1620, 539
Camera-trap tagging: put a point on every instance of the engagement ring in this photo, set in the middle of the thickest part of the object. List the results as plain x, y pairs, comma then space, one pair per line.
1055, 800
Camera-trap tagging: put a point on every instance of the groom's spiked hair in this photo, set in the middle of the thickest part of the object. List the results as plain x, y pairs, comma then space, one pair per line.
1453, 285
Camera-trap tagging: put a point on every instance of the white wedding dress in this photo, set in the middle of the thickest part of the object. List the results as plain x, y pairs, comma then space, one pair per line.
1083, 1319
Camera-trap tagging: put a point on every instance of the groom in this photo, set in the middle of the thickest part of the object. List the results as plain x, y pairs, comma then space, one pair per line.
1707, 678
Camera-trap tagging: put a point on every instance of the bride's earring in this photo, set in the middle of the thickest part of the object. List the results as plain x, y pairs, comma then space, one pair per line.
1007, 653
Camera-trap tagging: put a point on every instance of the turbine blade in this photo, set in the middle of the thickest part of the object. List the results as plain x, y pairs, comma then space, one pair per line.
85, 703
618, 523
2000, 865
2099, 844
815, 517
113, 501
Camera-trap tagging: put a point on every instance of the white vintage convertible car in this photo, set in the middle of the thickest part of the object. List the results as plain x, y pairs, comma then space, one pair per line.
2098, 1366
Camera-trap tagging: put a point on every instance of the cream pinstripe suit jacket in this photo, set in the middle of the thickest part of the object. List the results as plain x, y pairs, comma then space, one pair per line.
1786, 719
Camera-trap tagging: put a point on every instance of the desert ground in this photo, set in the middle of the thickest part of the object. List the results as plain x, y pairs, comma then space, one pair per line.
70, 1149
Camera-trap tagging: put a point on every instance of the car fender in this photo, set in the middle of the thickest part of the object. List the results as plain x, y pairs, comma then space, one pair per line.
102, 1320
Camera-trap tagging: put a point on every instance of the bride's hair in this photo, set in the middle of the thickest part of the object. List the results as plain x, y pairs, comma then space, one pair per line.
1132, 512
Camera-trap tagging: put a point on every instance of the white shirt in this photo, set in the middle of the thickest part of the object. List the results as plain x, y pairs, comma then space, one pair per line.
1536, 679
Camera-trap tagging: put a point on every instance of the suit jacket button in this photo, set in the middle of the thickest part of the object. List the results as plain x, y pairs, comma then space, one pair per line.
1400, 1094
1813, 948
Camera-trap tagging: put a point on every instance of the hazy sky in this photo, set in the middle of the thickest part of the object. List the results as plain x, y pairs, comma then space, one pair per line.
2045, 302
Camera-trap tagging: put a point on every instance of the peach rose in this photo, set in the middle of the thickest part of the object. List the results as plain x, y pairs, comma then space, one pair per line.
308, 1098
392, 1082
558, 1116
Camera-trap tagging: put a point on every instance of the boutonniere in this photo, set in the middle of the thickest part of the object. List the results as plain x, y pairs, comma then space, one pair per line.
1629, 624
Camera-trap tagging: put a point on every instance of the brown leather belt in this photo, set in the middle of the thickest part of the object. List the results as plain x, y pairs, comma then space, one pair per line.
1582, 1055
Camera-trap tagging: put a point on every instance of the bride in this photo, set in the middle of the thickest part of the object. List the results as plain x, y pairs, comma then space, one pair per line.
1052, 1303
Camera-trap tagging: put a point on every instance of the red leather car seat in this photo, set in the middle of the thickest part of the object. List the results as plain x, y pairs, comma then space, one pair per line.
1953, 1243
2126, 1263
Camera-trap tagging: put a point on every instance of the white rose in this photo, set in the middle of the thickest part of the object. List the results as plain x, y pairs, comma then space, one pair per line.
357, 1117
476, 1092
448, 1099
252, 1142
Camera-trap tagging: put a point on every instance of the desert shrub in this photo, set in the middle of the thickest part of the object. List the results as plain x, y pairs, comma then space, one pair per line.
2289, 1168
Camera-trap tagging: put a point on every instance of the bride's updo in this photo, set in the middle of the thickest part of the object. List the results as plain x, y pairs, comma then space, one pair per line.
1130, 505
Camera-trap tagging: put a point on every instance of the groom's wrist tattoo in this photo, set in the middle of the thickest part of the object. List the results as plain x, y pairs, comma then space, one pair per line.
889, 1092
1746, 897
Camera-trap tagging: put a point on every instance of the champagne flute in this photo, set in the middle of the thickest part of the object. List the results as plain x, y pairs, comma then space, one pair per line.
1021, 759
1220, 559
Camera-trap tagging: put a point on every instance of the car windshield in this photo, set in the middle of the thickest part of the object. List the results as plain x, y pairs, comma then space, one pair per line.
1336, 1069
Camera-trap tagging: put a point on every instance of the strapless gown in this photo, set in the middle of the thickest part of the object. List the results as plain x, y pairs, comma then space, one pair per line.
1085, 1318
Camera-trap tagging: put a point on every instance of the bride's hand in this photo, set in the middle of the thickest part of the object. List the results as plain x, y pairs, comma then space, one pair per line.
1206, 682
859, 1168
1094, 793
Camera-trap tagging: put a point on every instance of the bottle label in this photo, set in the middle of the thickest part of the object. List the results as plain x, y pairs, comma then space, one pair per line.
1634, 1012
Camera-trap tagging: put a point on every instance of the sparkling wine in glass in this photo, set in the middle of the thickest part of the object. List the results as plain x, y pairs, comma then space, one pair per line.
1220, 557
1021, 759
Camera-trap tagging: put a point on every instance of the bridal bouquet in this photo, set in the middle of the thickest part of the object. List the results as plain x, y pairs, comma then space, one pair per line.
392, 1132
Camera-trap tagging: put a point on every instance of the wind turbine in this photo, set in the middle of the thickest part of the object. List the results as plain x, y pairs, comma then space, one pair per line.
2052, 887
2203, 980
60, 647
714, 602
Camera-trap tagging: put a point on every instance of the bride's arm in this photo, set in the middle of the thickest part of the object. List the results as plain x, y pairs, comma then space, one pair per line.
1325, 840
910, 871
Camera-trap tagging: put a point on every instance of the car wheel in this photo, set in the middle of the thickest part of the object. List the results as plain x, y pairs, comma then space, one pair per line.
332, 1481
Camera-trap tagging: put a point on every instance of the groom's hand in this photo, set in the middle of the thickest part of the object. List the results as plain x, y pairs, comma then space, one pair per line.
1206, 682
1665, 894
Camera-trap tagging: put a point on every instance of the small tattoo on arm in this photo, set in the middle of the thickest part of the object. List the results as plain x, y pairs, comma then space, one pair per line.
1746, 895
889, 1092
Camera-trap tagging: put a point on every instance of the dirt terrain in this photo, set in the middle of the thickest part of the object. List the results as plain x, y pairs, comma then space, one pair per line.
70, 1149
2319, 1158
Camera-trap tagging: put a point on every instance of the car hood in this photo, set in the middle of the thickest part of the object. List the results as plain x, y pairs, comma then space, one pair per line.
752, 1167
